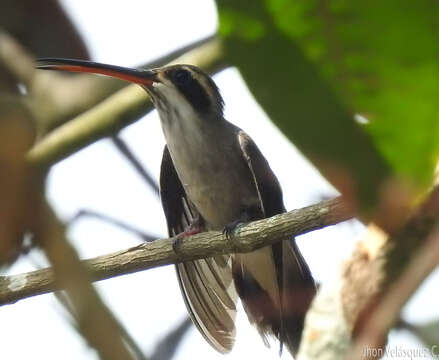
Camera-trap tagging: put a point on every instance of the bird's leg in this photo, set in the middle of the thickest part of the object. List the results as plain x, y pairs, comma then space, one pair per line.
195, 227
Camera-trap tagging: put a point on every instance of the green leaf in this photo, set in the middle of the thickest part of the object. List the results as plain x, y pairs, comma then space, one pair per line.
382, 58
295, 95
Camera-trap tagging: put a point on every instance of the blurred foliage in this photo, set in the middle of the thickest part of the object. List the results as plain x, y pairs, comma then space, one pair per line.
312, 64
44, 29
17, 204
382, 57
428, 333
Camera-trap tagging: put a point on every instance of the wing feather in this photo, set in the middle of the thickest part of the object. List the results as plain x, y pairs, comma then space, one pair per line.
206, 284
285, 305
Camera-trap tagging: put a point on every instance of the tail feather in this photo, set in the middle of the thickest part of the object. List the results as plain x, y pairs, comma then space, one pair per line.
276, 287
298, 290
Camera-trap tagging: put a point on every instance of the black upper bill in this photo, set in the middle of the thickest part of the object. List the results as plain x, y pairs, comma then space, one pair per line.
138, 76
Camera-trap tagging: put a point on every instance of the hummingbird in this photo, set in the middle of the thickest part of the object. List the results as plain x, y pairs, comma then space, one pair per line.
214, 177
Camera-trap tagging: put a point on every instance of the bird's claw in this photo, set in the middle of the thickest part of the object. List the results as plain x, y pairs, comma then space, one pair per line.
176, 243
230, 229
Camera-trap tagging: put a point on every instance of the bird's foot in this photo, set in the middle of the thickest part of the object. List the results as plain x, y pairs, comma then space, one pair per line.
230, 229
195, 227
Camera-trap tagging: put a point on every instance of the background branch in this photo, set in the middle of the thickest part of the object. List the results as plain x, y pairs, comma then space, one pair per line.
129, 155
85, 213
57, 97
114, 113
166, 348
160, 252
95, 322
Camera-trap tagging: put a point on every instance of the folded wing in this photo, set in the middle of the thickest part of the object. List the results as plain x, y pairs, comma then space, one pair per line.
206, 284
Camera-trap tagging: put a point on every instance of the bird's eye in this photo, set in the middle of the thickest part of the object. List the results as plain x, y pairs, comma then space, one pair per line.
181, 76
189, 86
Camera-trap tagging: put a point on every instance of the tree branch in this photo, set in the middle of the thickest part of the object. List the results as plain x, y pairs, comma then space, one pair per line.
160, 252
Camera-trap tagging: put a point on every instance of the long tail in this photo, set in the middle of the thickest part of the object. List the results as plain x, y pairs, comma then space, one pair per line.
298, 290
276, 287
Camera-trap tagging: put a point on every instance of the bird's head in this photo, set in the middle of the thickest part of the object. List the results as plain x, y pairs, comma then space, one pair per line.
174, 90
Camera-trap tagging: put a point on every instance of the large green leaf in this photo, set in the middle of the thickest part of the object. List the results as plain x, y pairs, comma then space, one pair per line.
312, 64
382, 57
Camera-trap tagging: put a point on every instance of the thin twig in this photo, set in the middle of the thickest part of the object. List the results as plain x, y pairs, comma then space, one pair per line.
115, 222
125, 151
160, 252
169, 58
166, 347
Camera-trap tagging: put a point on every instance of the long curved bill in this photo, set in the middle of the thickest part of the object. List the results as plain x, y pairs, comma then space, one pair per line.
138, 76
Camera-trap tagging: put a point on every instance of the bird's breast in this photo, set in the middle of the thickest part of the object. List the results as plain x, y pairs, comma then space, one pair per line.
214, 175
